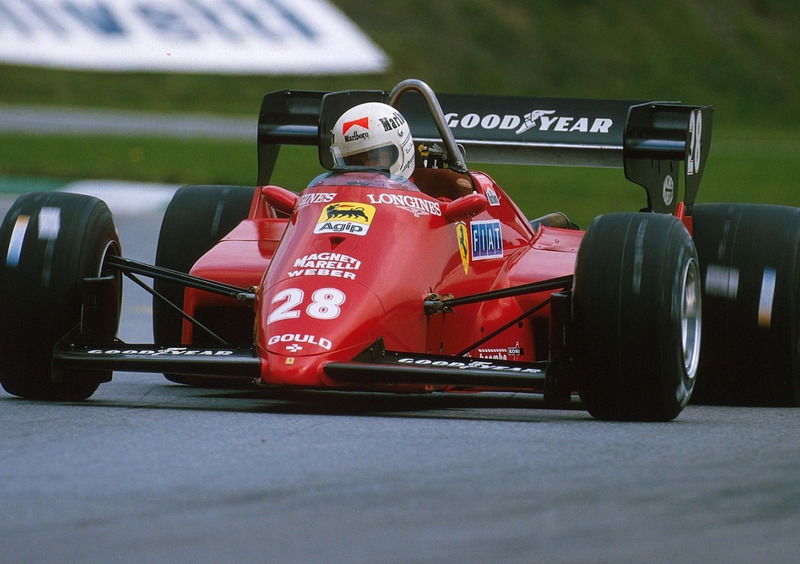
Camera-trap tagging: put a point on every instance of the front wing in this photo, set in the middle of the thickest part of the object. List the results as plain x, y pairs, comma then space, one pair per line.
373, 366
378, 366
236, 364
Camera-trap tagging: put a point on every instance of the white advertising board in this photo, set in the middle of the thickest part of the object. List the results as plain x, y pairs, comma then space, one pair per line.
215, 36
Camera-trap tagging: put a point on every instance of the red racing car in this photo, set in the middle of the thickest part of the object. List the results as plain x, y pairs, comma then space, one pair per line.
414, 274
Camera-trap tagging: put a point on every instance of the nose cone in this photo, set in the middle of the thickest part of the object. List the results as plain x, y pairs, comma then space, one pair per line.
304, 323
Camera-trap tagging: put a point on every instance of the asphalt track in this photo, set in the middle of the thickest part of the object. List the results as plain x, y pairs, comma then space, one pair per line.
149, 471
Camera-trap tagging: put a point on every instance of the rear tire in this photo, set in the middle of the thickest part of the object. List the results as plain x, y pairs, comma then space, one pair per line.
195, 220
637, 317
750, 267
54, 241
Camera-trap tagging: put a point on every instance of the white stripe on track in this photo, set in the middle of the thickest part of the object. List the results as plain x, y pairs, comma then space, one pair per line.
125, 197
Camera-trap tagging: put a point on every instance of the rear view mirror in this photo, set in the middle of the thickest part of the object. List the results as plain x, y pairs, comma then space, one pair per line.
280, 198
465, 207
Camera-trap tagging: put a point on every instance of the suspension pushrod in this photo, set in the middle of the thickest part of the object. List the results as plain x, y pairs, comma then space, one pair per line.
169, 275
561, 283
133, 278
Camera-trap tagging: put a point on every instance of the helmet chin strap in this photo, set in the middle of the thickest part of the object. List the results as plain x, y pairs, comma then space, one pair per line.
337, 155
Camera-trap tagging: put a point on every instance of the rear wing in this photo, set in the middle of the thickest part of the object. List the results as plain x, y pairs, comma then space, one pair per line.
649, 140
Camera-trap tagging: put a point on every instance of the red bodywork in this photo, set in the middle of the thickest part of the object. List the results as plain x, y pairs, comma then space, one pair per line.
356, 259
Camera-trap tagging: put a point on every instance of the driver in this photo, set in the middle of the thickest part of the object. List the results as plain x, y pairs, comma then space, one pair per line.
374, 135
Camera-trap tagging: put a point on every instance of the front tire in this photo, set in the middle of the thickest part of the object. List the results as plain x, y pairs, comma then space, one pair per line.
637, 317
54, 240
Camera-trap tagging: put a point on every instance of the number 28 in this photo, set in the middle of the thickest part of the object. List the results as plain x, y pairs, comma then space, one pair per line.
324, 304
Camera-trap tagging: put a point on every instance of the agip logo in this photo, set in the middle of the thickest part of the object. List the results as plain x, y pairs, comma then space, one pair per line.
345, 217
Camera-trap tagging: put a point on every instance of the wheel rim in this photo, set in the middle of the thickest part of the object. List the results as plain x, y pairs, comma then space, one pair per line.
690, 318
111, 248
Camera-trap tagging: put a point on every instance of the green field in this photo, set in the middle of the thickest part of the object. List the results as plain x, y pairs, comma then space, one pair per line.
738, 55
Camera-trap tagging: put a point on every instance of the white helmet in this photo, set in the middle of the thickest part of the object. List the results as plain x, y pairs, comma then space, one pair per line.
374, 135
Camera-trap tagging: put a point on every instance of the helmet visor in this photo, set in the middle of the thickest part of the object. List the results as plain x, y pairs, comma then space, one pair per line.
381, 158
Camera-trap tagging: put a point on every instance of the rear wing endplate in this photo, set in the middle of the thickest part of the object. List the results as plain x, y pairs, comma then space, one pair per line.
649, 140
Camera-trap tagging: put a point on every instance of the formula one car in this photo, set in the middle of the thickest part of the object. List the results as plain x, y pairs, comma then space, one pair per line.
363, 282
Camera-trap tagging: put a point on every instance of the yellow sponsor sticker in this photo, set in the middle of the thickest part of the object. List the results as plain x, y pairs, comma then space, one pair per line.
345, 217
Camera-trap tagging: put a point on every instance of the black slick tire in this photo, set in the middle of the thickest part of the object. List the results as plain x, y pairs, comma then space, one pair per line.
195, 220
636, 317
750, 267
53, 241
